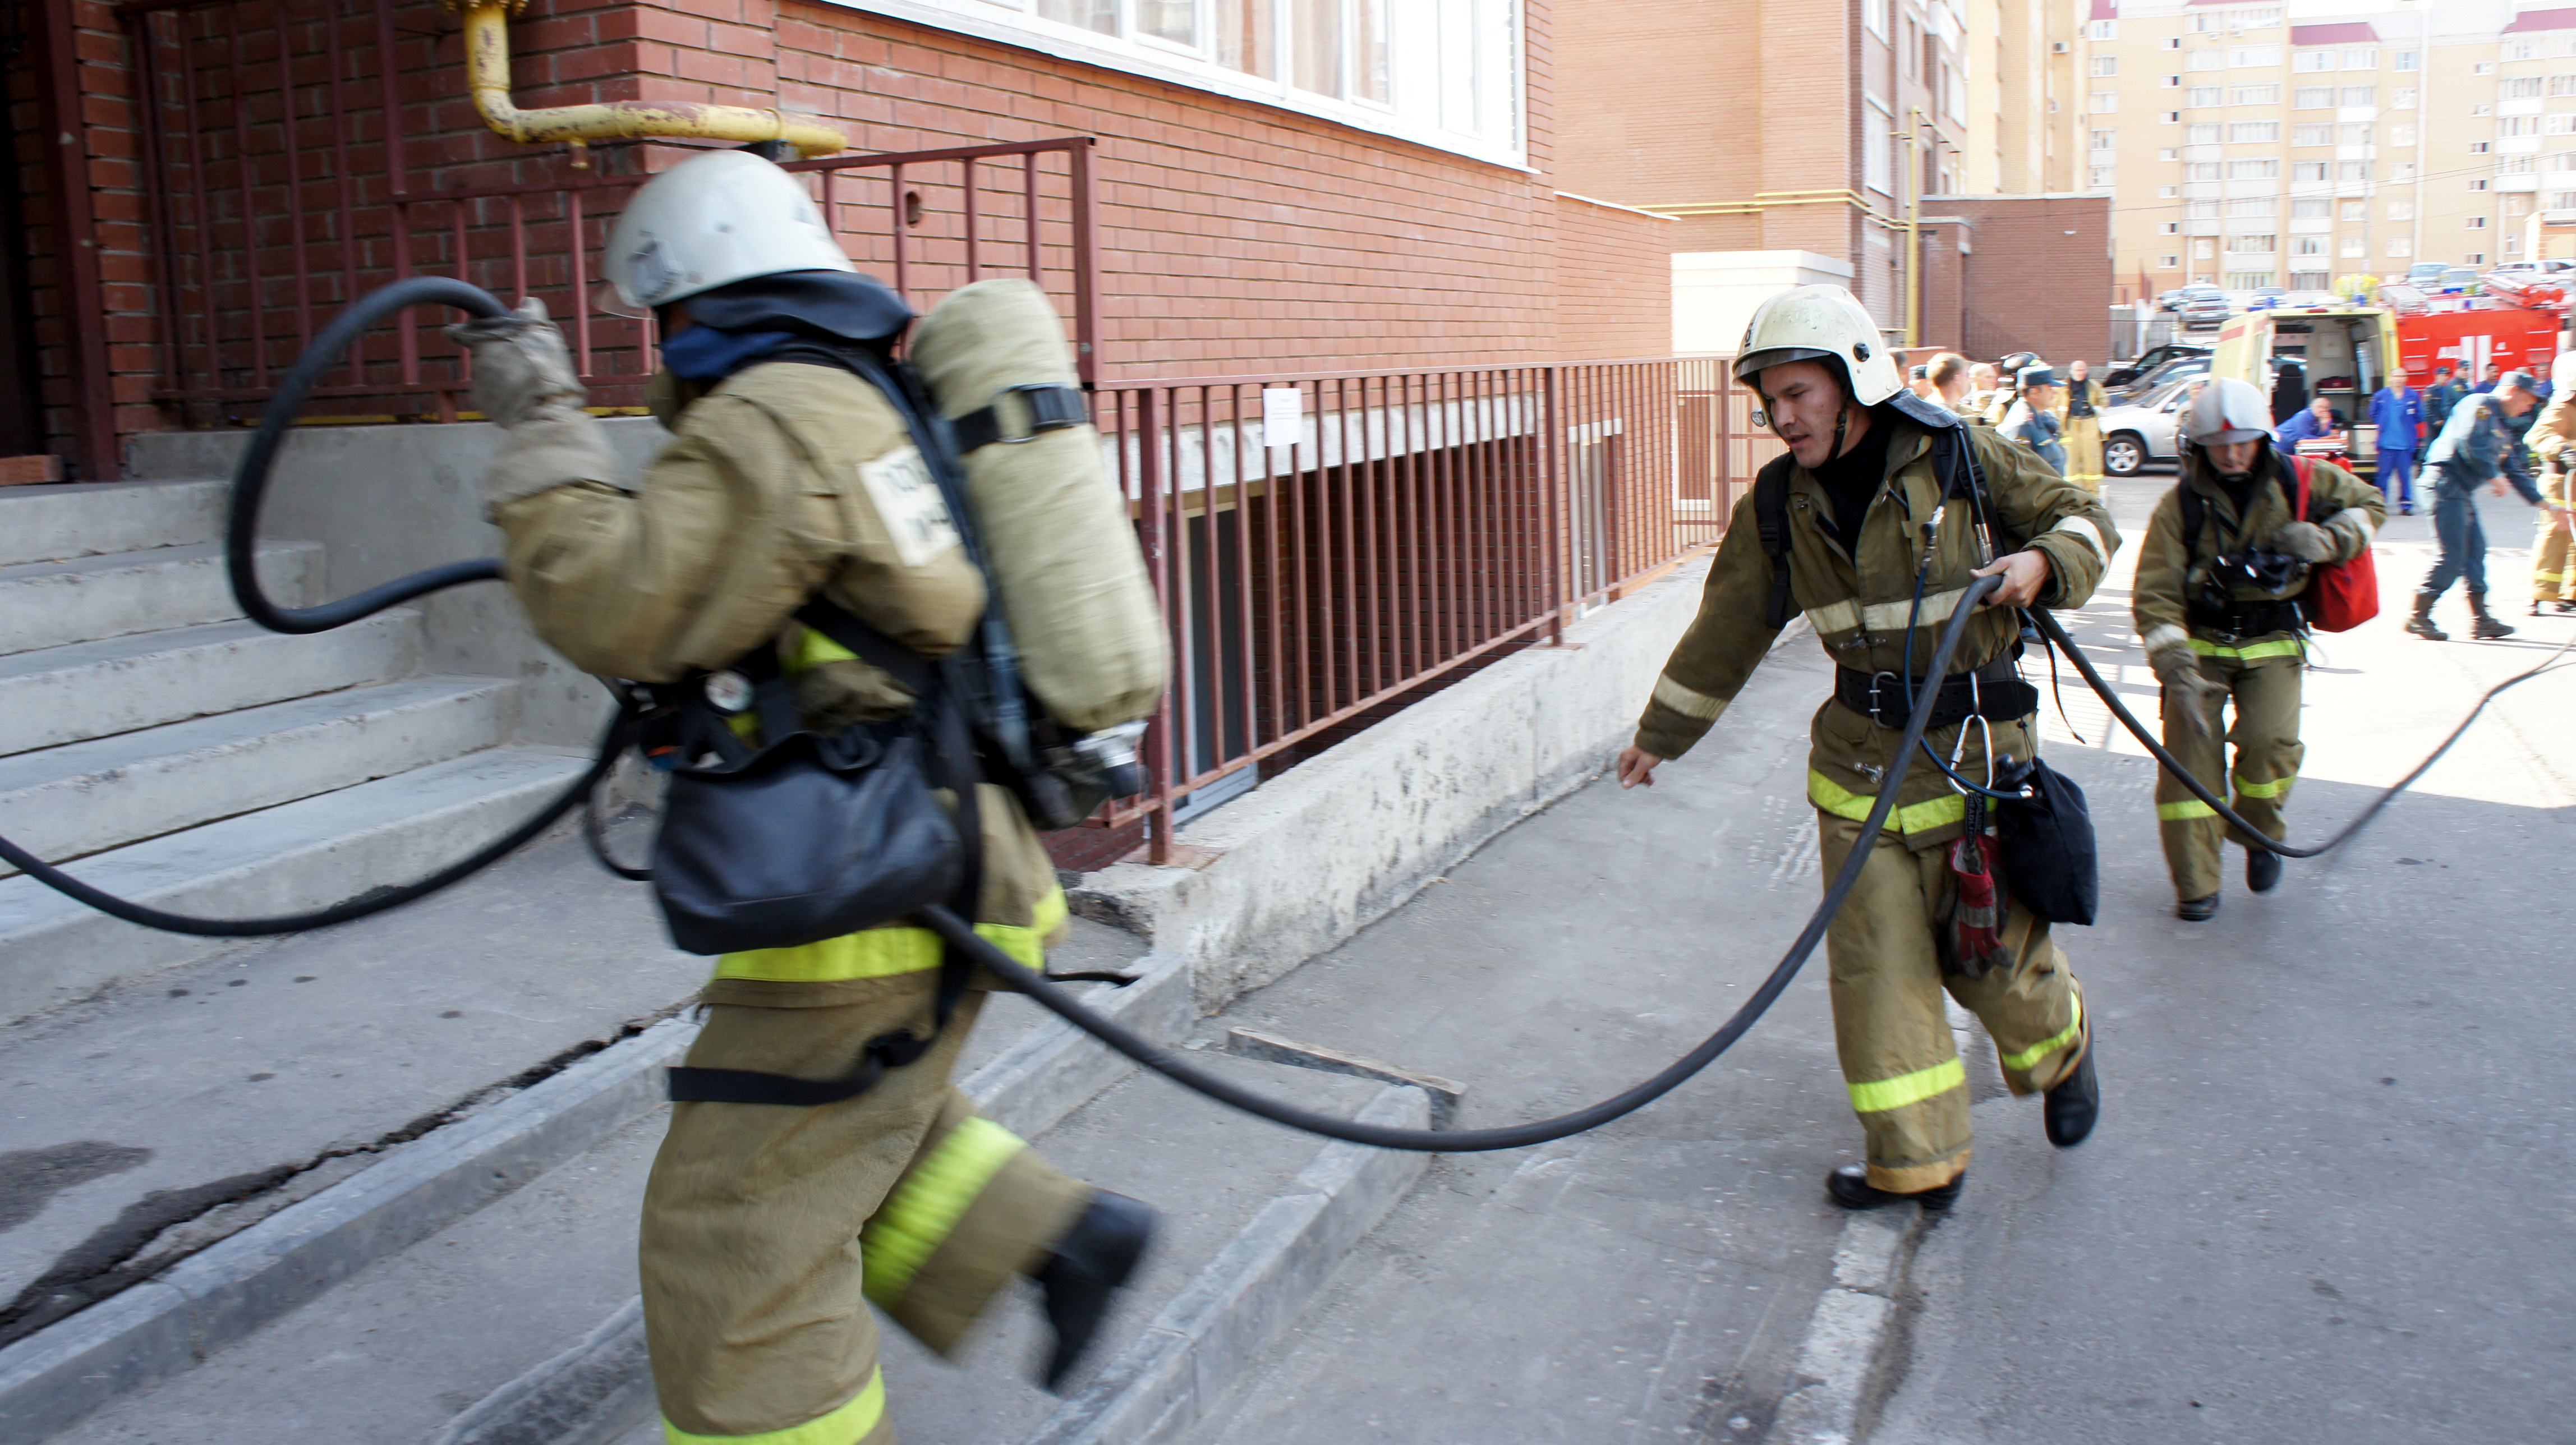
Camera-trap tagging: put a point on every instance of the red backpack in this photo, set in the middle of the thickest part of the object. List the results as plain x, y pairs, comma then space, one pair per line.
2341, 595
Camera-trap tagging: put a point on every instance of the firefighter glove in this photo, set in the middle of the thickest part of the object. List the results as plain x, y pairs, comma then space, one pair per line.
2304, 540
2186, 686
522, 369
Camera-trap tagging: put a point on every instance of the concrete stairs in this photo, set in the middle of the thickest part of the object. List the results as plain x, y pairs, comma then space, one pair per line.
184, 758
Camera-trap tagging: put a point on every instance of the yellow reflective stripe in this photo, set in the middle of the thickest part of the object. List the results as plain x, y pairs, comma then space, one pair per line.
2018, 1062
2272, 789
1840, 616
886, 952
2088, 530
2164, 636
1689, 702
918, 1218
1921, 817
1881, 1095
2187, 808
813, 649
848, 1425
2277, 647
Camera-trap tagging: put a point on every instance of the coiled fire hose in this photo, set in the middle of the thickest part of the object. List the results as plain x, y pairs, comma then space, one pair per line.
250, 485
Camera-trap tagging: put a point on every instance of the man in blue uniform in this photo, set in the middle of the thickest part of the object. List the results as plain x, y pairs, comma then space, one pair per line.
2397, 414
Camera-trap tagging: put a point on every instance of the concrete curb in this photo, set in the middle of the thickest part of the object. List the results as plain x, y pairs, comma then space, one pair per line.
59, 1376
1320, 852
1208, 1335
1847, 1334
599, 1390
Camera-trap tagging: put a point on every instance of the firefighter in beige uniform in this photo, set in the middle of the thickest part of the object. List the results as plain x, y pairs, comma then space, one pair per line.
2221, 620
2553, 550
1861, 493
767, 1230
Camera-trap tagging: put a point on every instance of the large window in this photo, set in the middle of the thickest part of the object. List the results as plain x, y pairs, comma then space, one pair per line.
2206, 133
2313, 97
1444, 73
2254, 132
2251, 57
2312, 135
2203, 95
2254, 95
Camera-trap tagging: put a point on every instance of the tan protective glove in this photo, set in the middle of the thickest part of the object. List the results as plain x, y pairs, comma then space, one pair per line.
2304, 540
522, 369
2187, 687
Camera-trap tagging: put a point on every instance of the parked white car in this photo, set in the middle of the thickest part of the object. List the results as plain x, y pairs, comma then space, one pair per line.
2141, 433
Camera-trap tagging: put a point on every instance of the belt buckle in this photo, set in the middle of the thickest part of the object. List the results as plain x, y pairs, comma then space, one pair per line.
1878, 709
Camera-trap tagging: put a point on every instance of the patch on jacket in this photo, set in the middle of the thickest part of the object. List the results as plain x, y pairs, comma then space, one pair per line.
908, 502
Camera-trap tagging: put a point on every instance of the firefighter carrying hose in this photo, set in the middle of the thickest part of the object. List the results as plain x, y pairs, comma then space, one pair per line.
769, 1229
2225, 560
1873, 544
2553, 549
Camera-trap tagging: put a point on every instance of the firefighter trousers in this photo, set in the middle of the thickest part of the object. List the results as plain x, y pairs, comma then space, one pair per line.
2084, 452
2263, 684
1899, 1059
769, 1230
2553, 553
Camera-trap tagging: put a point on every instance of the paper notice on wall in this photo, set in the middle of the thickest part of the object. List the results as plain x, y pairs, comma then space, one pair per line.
1283, 416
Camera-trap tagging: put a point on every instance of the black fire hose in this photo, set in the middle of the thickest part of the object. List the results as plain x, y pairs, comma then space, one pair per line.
2056, 634
241, 550
1538, 1131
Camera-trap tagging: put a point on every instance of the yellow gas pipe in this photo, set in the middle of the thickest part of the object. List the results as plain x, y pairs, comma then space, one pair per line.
487, 72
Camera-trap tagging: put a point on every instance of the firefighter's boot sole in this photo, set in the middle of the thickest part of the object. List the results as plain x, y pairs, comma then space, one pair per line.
2070, 1110
1085, 1272
1849, 1187
2262, 869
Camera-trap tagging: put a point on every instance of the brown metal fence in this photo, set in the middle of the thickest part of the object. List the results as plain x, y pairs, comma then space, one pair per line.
1328, 547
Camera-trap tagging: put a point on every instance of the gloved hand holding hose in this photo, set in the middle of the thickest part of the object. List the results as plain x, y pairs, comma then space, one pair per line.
524, 382
2186, 686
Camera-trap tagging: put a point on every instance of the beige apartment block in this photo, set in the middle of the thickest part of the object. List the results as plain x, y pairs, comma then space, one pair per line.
2266, 144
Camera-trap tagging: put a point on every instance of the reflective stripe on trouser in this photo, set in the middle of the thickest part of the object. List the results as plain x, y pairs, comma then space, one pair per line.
2553, 554
767, 1229
1899, 1061
2083, 440
2265, 736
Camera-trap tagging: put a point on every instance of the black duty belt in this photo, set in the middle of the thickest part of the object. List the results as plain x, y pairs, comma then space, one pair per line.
1994, 691
2239, 620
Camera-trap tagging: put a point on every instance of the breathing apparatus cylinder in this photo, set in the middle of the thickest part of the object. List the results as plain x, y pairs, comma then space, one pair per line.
1063, 552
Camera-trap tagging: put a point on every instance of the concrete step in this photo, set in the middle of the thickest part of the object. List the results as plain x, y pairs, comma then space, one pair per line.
56, 524
84, 798
299, 856
49, 604
86, 690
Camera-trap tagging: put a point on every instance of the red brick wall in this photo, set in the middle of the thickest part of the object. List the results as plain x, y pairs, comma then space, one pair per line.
1236, 237
2027, 283
1614, 287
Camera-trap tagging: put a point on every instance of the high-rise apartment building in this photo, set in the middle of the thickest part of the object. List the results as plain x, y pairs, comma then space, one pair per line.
2266, 144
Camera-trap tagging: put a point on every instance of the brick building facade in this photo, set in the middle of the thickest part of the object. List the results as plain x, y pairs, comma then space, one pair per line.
2011, 273
248, 199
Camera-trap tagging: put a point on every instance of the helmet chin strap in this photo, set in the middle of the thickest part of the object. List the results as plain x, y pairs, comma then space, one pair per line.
1842, 423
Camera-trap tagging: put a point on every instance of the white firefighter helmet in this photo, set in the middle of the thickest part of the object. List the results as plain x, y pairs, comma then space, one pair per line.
1821, 323
712, 219
2227, 410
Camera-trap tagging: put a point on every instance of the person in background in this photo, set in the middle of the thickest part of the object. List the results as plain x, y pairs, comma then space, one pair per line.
2439, 398
1981, 392
2033, 418
2317, 423
2397, 415
2008, 384
1949, 374
2079, 415
2495, 373
2479, 446
1918, 379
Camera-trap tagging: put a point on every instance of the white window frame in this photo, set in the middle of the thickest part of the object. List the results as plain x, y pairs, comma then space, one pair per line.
1500, 31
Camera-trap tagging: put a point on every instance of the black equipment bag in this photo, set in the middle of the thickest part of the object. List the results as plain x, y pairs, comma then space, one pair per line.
2047, 844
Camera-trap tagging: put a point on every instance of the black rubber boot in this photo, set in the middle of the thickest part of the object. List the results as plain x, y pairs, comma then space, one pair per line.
1083, 1274
2197, 910
2070, 1109
2262, 869
1849, 1187
2421, 624
2487, 627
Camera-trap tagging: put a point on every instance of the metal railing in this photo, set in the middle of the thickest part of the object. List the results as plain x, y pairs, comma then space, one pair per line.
1330, 547
287, 170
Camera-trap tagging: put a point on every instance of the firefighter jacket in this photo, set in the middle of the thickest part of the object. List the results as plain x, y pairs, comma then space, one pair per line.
1860, 605
2556, 427
2173, 568
785, 480
2097, 401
